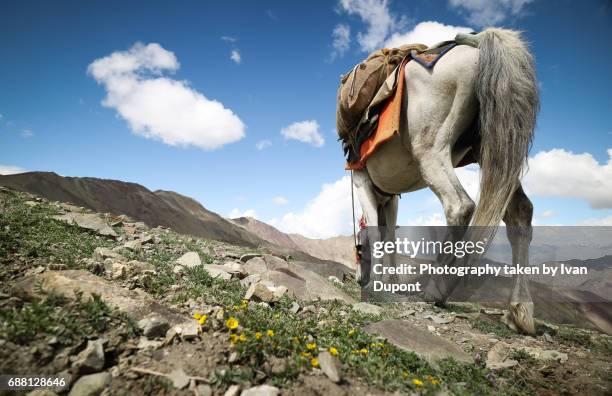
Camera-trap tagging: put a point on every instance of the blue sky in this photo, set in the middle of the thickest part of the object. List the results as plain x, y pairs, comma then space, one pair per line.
53, 115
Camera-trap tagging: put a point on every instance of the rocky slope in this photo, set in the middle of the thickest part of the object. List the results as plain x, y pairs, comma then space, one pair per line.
116, 307
154, 208
339, 249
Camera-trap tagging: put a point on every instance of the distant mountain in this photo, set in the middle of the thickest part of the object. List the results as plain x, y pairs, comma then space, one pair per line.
164, 208
339, 249
154, 208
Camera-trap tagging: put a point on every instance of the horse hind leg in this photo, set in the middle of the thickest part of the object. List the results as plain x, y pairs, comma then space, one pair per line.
369, 205
519, 230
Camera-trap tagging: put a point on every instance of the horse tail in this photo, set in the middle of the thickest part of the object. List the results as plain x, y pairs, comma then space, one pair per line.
507, 91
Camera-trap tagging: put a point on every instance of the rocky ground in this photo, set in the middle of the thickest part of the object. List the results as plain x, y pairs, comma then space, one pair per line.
119, 308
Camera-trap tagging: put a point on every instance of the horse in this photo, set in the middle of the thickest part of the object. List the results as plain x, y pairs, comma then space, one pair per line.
479, 100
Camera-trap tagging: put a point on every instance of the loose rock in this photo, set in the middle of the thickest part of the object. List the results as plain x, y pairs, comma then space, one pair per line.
189, 260
330, 366
91, 385
153, 327
246, 257
261, 390
179, 379
91, 359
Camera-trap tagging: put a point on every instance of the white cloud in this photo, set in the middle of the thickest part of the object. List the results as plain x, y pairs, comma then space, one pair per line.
427, 33
11, 169
598, 221
280, 200
469, 176
235, 213
27, 133
236, 57
304, 131
327, 215
562, 173
229, 39
263, 144
434, 219
159, 107
547, 214
375, 14
485, 13
342, 39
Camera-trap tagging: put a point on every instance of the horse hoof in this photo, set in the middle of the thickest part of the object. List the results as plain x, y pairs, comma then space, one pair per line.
521, 316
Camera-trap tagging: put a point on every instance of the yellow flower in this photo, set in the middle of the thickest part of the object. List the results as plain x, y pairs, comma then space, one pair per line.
242, 337
270, 333
363, 351
314, 362
202, 319
245, 304
258, 335
417, 382
231, 323
233, 338
351, 332
304, 354
197, 316
333, 351
310, 346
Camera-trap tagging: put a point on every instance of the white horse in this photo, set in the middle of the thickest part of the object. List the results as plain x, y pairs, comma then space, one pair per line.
480, 100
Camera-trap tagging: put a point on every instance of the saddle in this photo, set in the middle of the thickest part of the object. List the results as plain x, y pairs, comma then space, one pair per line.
379, 119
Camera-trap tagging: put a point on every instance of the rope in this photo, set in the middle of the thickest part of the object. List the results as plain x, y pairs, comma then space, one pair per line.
353, 206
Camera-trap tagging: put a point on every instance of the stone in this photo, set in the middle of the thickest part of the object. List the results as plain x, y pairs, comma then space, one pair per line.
431, 328
115, 270
136, 303
548, 337
409, 337
146, 238
249, 280
136, 267
91, 359
204, 390
234, 269
367, 308
333, 279
260, 292
255, 265
265, 293
295, 307
304, 284
233, 390
188, 330
246, 257
102, 253
179, 379
330, 366
498, 357
144, 343
261, 390
134, 246
41, 392
189, 260
232, 357
153, 327
91, 385
88, 221
217, 271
